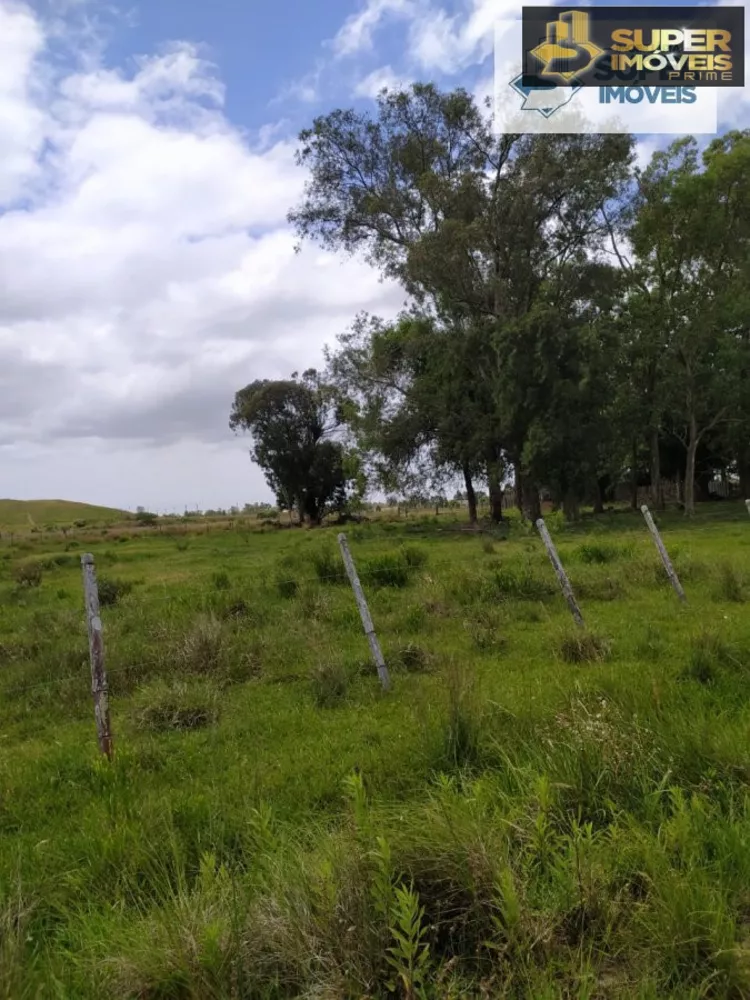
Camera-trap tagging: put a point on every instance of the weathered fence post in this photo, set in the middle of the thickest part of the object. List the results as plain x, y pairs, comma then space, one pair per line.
364, 612
674, 580
99, 686
561, 574
747, 504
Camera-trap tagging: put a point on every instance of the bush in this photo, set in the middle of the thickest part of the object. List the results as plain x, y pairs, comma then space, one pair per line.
731, 585
583, 647
411, 658
328, 566
707, 654
221, 580
111, 591
201, 648
599, 552
522, 585
28, 574
462, 734
164, 707
286, 587
414, 557
388, 570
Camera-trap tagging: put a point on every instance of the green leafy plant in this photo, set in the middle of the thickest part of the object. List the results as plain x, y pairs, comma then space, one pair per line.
111, 591
409, 955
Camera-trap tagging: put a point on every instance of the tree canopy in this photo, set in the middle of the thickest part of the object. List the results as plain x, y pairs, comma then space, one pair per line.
574, 321
291, 422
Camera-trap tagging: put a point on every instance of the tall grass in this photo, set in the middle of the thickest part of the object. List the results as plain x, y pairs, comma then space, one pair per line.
530, 812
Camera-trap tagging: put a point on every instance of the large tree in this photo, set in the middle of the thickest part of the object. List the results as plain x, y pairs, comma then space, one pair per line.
411, 396
291, 422
495, 235
690, 236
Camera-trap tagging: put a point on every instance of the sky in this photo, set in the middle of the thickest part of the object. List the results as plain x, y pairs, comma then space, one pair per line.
147, 271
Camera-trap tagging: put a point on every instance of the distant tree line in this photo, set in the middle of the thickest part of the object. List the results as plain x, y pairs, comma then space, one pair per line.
573, 322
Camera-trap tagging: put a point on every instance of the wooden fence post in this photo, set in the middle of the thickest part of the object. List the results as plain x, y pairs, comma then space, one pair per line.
99, 686
561, 574
673, 578
364, 612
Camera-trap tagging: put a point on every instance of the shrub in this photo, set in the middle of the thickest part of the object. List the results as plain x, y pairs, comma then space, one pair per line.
221, 580
111, 591
707, 654
462, 739
731, 585
388, 570
485, 634
330, 684
165, 707
522, 585
28, 574
286, 587
146, 518
328, 566
200, 649
414, 557
239, 609
599, 552
411, 658
584, 647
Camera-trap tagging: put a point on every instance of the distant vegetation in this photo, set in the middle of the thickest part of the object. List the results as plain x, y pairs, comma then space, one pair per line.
44, 513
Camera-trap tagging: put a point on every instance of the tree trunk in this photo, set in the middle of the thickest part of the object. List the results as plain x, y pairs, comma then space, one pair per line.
517, 488
570, 506
692, 448
634, 479
471, 496
530, 504
599, 498
657, 491
496, 492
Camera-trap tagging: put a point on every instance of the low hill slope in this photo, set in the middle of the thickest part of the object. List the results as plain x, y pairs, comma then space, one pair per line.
30, 513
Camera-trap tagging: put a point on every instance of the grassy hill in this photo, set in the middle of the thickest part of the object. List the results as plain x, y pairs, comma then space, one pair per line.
533, 811
30, 513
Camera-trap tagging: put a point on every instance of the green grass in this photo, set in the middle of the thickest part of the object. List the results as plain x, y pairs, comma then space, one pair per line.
532, 811
25, 514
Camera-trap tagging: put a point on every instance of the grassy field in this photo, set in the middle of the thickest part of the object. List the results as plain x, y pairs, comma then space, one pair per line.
532, 811
27, 514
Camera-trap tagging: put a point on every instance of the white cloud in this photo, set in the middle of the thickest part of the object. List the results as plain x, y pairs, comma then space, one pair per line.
145, 277
449, 43
356, 33
378, 80
21, 122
